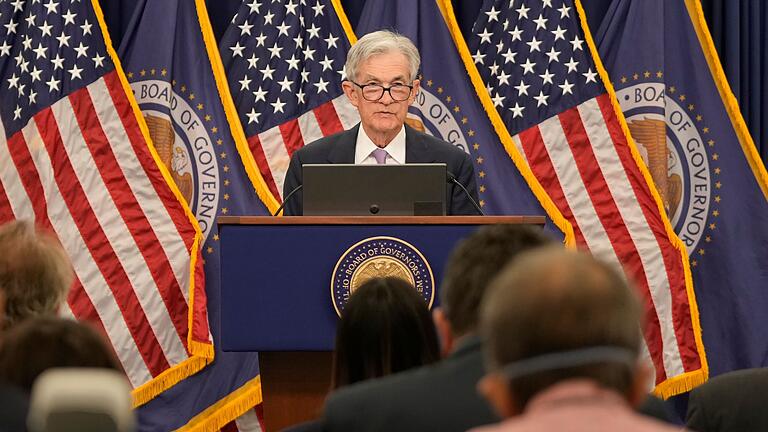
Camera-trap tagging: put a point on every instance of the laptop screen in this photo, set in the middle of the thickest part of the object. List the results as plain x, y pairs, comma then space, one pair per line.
382, 190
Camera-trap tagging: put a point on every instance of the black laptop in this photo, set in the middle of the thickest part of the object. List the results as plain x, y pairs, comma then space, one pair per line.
382, 190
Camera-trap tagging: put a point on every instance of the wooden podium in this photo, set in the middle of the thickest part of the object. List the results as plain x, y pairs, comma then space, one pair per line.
277, 296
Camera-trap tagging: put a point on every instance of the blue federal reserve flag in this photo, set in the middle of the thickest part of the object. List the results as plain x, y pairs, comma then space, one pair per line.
448, 105
175, 72
684, 118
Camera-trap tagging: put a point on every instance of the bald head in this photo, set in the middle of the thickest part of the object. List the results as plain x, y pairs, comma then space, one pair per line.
556, 301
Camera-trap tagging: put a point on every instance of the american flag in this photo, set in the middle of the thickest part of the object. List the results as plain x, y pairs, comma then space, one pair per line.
539, 71
285, 65
73, 158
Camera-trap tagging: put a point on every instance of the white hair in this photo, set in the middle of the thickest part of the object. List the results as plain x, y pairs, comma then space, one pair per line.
381, 42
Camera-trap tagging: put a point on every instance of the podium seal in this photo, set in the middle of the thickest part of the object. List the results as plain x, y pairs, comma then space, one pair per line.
380, 257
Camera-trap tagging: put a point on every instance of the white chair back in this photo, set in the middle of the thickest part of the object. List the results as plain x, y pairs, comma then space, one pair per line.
81, 400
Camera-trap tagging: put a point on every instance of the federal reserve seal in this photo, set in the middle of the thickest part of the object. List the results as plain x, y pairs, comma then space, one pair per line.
683, 161
184, 145
430, 115
435, 111
380, 257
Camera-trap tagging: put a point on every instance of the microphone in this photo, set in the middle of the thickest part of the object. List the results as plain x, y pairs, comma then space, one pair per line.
452, 178
287, 197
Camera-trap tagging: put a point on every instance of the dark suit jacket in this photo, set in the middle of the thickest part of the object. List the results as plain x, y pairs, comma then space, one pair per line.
736, 401
658, 408
440, 397
419, 148
14, 407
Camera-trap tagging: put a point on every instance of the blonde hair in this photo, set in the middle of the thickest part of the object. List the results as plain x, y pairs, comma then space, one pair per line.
381, 42
35, 273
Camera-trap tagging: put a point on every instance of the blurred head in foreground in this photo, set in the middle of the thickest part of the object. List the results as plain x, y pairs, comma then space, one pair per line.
556, 315
38, 344
472, 265
385, 328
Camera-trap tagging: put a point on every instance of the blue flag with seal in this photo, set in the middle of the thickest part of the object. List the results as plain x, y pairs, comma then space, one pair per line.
681, 112
174, 69
448, 105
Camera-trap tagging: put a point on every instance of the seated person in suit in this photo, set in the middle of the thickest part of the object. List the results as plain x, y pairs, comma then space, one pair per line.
439, 397
381, 83
385, 328
35, 273
562, 344
734, 401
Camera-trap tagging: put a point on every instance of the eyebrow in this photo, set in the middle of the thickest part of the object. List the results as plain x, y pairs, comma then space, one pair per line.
373, 78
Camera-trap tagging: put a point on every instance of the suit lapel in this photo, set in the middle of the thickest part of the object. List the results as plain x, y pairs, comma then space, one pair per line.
343, 151
416, 148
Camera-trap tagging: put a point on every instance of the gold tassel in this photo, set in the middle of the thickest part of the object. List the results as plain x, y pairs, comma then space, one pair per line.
227, 409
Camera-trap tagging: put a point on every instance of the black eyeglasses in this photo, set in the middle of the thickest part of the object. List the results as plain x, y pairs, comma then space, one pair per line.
374, 92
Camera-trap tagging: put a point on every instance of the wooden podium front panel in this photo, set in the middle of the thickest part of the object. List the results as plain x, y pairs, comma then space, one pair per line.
294, 385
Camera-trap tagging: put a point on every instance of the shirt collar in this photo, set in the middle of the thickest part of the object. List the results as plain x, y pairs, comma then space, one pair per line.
395, 148
468, 343
576, 390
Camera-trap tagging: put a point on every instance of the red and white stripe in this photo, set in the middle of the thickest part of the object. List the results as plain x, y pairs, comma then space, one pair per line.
582, 159
273, 148
82, 169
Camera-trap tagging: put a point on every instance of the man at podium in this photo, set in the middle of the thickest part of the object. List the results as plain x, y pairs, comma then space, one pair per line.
381, 71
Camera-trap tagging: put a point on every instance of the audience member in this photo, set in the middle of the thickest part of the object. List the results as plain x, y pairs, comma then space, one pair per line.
658, 408
13, 402
441, 396
14, 405
735, 401
35, 274
41, 343
385, 328
562, 344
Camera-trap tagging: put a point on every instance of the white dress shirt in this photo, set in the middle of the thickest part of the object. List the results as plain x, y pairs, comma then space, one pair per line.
364, 147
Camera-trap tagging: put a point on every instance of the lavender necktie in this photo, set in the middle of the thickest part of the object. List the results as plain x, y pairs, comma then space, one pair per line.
380, 155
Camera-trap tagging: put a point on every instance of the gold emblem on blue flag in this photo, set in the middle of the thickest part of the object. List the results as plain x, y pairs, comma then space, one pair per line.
380, 257
673, 138
186, 139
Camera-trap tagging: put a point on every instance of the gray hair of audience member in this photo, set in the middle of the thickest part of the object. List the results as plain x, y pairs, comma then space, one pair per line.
555, 301
474, 263
381, 42
35, 272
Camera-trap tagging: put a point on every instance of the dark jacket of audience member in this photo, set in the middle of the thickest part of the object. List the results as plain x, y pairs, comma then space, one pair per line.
562, 346
385, 328
439, 397
654, 406
37, 344
14, 405
35, 273
735, 401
